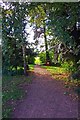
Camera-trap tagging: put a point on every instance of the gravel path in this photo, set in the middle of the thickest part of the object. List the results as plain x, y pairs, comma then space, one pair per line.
46, 99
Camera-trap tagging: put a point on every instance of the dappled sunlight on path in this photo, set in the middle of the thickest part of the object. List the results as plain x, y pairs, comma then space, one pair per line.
46, 99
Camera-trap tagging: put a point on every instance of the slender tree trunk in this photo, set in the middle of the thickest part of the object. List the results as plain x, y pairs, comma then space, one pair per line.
56, 54
24, 60
46, 47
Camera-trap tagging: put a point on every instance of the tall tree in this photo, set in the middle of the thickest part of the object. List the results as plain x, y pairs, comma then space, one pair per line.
65, 17
39, 15
46, 46
14, 34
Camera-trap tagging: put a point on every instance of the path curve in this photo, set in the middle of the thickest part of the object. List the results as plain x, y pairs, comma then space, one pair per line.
46, 99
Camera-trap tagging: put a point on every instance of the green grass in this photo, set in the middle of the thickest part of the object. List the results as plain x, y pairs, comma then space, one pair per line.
55, 69
31, 67
12, 91
57, 72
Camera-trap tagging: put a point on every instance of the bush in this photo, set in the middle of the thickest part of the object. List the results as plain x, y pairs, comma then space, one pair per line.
68, 66
42, 56
37, 60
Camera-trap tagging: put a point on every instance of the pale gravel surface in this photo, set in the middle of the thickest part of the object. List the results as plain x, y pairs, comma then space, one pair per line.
45, 99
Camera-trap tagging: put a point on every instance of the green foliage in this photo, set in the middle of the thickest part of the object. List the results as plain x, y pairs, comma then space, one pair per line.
37, 60
14, 37
42, 56
51, 54
11, 33
62, 15
58, 20
31, 66
69, 66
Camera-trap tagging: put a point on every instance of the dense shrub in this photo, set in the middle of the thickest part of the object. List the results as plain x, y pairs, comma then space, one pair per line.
42, 56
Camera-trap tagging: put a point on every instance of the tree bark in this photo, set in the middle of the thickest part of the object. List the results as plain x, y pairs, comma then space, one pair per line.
46, 46
24, 60
56, 54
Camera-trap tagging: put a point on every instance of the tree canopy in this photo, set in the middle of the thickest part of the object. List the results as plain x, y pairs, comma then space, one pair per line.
57, 21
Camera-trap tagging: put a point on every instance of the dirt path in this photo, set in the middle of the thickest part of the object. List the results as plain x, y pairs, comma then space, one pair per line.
46, 99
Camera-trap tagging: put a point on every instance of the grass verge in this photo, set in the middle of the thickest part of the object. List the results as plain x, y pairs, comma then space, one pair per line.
12, 91
59, 73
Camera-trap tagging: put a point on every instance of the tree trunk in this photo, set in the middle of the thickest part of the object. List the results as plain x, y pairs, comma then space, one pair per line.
46, 47
24, 60
56, 54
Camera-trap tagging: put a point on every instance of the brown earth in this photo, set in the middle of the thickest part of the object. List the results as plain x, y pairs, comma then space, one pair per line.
45, 98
